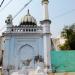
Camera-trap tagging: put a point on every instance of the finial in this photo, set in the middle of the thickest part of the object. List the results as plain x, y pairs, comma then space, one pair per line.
28, 12
45, 1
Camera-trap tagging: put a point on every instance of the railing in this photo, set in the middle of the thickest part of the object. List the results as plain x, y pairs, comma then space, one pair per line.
25, 30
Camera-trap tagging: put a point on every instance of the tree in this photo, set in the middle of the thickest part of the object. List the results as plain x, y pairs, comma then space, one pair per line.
69, 34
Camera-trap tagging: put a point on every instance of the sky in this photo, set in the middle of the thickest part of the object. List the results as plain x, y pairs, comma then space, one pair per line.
61, 13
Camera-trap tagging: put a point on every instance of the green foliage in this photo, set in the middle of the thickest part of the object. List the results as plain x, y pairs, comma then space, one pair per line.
69, 34
65, 46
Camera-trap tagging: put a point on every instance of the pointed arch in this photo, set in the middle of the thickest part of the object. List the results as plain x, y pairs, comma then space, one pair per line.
24, 46
25, 52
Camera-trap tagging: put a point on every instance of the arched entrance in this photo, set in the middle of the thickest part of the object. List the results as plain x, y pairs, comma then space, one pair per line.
26, 52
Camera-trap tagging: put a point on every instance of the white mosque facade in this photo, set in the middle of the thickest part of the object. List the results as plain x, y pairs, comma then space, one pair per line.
27, 43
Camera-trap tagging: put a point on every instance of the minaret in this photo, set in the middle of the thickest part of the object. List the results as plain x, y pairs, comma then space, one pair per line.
46, 34
45, 9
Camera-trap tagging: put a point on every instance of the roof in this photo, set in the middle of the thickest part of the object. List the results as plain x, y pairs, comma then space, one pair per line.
28, 20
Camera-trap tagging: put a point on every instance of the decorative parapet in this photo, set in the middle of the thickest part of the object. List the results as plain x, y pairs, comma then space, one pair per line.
17, 29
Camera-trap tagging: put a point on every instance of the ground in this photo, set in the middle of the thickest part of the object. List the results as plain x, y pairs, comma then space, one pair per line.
66, 73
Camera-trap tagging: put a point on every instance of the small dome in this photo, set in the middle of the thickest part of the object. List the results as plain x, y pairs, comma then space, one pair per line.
28, 20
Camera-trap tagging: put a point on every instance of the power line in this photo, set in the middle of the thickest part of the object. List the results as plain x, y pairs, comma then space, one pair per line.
6, 5
66, 13
22, 9
1, 3
19, 12
3, 9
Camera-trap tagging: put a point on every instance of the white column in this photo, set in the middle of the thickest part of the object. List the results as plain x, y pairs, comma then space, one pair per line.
45, 10
47, 45
46, 39
46, 34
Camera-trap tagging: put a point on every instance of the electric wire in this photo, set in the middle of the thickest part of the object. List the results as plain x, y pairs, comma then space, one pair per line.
6, 5
1, 3
18, 12
65, 13
22, 9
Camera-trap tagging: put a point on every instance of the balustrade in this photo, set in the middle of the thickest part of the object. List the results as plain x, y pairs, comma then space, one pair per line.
17, 29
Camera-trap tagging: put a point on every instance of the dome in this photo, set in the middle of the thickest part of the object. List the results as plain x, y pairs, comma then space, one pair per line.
28, 20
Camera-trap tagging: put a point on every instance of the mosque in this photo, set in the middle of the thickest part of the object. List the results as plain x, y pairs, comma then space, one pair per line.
27, 43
